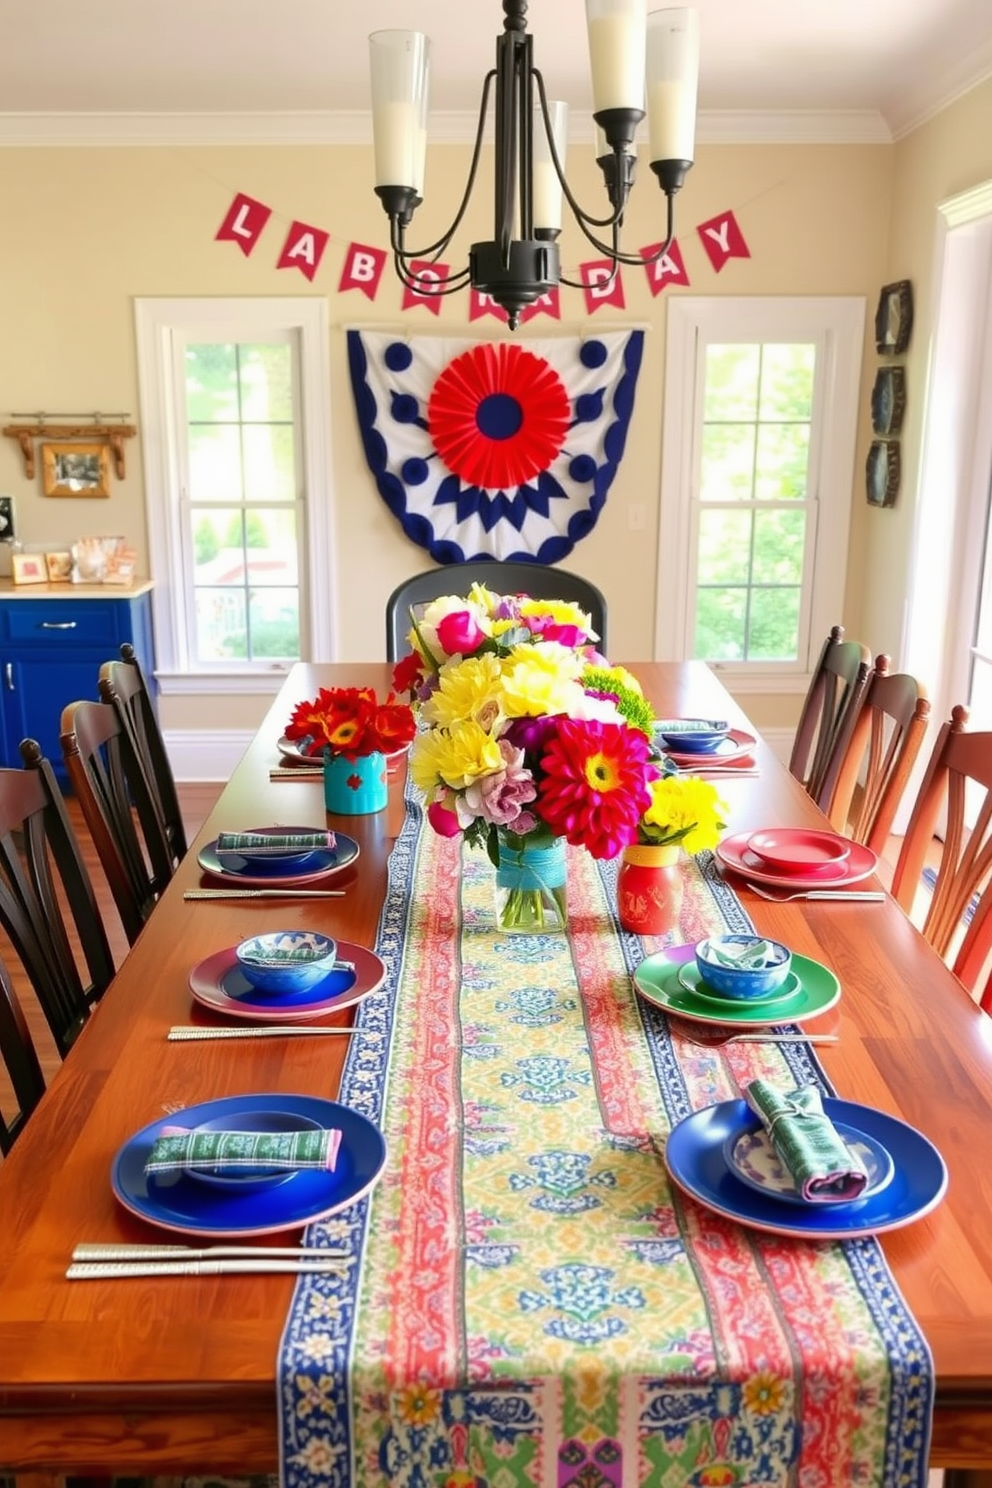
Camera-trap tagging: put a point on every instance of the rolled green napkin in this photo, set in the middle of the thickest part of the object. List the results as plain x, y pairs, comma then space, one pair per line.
271, 844
178, 1149
819, 1161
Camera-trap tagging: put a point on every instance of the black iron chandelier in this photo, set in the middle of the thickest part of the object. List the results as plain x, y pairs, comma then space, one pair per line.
635, 57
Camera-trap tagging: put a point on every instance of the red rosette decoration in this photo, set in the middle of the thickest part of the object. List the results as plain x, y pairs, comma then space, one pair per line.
498, 416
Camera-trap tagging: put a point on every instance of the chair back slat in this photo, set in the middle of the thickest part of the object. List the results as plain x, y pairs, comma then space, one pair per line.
122, 685
834, 699
47, 904
538, 580
114, 795
878, 747
27, 1083
958, 787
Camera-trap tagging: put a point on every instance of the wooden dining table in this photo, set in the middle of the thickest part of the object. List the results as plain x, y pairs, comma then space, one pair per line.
178, 1375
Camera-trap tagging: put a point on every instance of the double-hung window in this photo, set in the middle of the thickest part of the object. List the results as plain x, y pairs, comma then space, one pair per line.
761, 404
235, 414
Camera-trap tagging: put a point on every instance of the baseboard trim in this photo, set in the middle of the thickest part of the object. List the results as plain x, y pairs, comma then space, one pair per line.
205, 755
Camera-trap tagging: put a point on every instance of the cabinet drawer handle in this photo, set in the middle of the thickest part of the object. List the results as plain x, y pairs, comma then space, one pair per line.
8, 676
56, 624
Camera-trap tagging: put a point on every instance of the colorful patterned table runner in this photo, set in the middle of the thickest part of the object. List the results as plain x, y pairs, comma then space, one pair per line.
534, 1303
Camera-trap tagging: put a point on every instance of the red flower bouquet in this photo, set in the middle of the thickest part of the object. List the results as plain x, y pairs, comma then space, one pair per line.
351, 721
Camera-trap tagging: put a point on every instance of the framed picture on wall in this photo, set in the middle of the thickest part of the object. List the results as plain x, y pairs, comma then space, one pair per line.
75, 469
894, 318
882, 472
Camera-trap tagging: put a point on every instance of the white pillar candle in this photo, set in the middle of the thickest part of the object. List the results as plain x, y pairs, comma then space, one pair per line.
546, 194
616, 53
672, 79
399, 63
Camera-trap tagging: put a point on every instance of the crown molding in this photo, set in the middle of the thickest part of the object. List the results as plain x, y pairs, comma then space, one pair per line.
722, 127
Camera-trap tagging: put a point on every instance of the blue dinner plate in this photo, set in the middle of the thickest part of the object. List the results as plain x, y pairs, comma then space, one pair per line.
696, 1157
257, 873
178, 1202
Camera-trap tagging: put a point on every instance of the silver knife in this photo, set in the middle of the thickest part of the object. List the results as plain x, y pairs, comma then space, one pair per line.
109, 1251
114, 1270
264, 894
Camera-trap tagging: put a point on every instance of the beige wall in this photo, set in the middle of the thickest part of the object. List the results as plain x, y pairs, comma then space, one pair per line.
948, 155
84, 231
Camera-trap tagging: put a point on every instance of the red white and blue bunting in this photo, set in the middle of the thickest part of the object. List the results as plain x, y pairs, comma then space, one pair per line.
496, 449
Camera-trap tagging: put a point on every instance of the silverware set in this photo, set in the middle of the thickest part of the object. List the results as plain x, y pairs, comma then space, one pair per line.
110, 1262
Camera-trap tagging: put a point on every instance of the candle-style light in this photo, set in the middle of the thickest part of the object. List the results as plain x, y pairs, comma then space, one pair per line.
635, 57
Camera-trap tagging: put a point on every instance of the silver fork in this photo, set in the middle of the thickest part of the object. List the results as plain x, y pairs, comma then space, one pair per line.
862, 896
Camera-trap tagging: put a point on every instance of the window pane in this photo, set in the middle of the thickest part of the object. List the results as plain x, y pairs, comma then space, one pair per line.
272, 553
773, 633
787, 382
720, 617
274, 618
783, 460
211, 383
724, 547
779, 541
215, 463
731, 386
220, 614
727, 470
266, 383
270, 469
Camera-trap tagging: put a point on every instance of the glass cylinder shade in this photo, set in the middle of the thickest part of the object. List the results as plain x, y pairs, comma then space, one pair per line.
546, 196
616, 53
672, 79
400, 69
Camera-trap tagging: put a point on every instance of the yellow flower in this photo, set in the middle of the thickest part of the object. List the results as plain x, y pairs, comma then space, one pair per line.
418, 1406
468, 689
453, 757
684, 810
541, 679
764, 1393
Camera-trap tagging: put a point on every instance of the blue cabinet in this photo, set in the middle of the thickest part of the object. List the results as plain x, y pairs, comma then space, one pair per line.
51, 650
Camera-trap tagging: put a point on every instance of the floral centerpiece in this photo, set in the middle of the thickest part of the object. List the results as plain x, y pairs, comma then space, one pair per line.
532, 740
684, 814
353, 732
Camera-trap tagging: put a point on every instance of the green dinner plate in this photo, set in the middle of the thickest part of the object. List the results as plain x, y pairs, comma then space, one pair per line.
657, 980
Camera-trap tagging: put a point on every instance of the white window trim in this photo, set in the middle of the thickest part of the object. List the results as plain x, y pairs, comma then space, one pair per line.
840, 321
155, 322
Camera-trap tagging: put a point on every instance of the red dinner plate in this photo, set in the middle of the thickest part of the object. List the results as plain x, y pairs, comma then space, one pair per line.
733, 852
218, 983
736, 744
796, 849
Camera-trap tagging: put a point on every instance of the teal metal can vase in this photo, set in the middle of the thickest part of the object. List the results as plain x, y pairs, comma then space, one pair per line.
355, 787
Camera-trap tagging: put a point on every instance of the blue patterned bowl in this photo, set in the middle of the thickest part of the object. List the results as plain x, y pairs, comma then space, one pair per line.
743, 966
693, 735
287, 961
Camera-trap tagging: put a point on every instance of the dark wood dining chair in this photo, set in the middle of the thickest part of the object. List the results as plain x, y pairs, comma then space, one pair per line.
25, 1079
876, 752
122, 684
835, 696
955, 797
109, 780
48, 907
536, 579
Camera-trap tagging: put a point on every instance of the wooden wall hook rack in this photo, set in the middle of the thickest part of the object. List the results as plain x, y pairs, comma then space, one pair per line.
94, 433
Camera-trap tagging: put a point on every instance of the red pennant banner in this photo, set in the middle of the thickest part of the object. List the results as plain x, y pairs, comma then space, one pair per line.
303, 249
483, 304
601, 285
668, 269
546, 304
362, 269
427, 273
244, 222
722, 239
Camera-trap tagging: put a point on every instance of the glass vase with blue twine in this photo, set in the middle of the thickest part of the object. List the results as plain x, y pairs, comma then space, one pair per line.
531, 890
